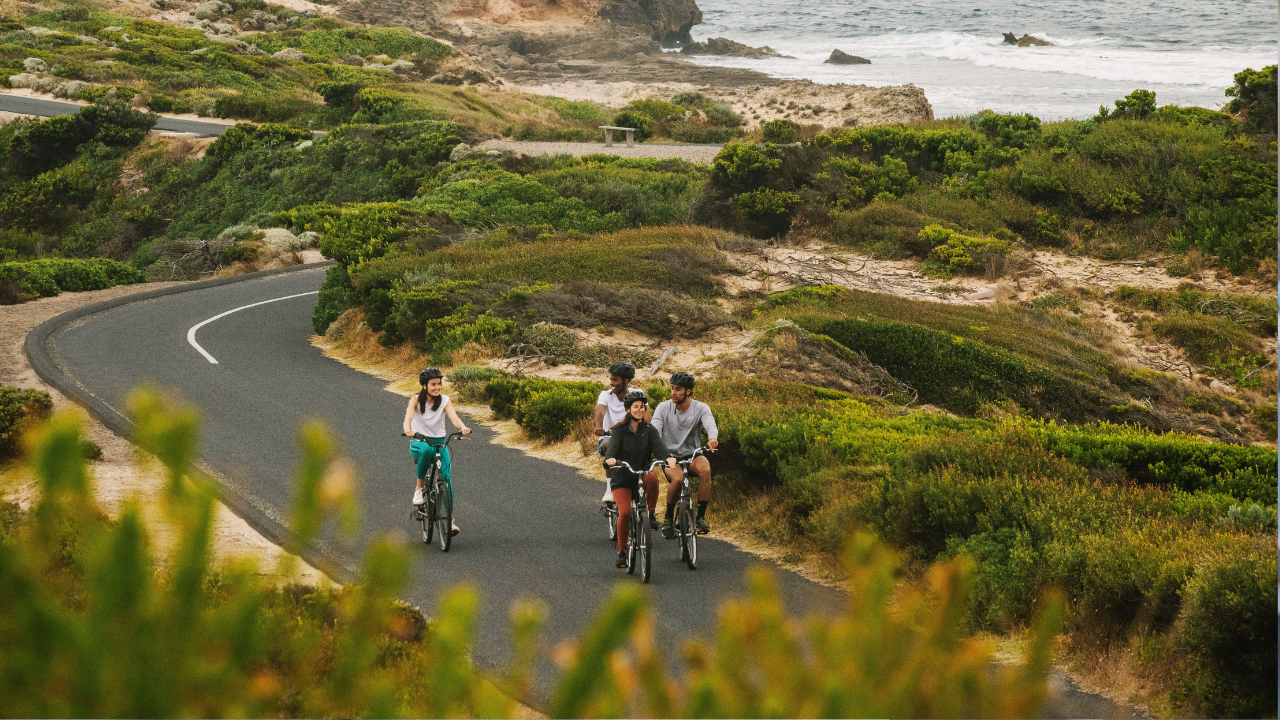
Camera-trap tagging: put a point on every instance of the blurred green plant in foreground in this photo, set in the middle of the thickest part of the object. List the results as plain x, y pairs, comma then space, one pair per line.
95, 623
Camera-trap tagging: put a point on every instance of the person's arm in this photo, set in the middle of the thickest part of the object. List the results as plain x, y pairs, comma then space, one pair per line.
659, 449
611, 453
709, 424
408, 416
453, 418
600, 411
657, 417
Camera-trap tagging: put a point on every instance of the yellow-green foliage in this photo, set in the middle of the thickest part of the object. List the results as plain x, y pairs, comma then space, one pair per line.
90, 629
962, 253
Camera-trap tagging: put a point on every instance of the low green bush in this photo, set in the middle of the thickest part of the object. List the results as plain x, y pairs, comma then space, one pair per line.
547, 409
1254, 96
21, 281
643, 124
1229, 634
779, 131
961, 253
1206, 338
954, 372
20, 408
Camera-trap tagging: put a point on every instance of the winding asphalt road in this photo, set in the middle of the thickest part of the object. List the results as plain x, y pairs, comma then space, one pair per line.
530, 527
26, 105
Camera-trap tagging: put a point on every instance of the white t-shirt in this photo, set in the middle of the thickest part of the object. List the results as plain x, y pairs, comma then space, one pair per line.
614, 410
431, 422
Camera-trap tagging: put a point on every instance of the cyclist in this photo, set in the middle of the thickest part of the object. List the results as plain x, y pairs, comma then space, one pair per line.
680, 422
636, 443
424, 422
610, 411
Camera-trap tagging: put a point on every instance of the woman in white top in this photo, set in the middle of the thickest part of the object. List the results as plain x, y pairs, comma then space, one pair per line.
424, 422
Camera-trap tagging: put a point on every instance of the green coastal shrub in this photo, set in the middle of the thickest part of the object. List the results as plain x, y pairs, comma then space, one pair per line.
1229, 634
768, 211
962, 253
953, 372
21, 281
547, 409
1254, 96
1206, 338
643, 124
779, 131
656, 110
19, 410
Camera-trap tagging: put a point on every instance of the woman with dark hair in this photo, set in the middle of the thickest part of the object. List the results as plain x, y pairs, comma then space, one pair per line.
424, 422
635, 442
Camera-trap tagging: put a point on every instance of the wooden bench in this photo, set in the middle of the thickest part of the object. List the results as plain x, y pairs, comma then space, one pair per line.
608, 135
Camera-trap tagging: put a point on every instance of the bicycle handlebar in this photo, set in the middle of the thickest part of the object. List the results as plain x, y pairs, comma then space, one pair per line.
627, 466
448, 439
700, 451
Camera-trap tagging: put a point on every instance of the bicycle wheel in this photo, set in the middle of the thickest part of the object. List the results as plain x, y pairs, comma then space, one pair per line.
444, 514
645, 546
632, 541
611, 517
682, 529
427, 512
690, 535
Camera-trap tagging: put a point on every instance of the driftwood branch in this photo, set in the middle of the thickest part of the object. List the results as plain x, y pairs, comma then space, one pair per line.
657, 365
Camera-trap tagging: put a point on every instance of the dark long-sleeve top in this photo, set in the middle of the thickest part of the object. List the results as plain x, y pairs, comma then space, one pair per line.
637, 447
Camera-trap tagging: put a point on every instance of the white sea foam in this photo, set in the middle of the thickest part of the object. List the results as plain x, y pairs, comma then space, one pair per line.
1186, 51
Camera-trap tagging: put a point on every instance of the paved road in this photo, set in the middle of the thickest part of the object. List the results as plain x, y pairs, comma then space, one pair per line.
25, 105
702, 154
531, 528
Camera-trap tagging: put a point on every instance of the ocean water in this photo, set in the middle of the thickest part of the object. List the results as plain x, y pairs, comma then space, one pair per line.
1186, 51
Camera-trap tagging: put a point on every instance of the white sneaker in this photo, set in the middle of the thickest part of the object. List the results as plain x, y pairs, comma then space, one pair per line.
454, 530
417, 497
608, 492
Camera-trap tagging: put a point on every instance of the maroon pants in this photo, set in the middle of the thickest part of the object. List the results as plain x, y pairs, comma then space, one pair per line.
623, 499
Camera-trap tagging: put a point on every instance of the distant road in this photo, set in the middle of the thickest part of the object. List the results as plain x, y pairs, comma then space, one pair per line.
702, 154
25, 105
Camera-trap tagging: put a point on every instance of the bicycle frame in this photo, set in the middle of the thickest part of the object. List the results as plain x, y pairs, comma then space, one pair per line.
638, 536
428, 514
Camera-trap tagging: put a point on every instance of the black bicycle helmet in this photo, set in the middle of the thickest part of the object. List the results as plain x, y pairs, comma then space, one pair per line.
683, 379
623, 370
633, 396
428, 374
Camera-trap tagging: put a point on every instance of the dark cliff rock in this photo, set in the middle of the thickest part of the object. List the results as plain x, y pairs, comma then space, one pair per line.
667, 21
725, 46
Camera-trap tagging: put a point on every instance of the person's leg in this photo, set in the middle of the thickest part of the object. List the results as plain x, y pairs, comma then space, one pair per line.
651, 491
416, 450
702, 468
623, 499
602, 447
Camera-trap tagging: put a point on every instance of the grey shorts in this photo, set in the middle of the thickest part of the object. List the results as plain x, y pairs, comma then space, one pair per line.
602, 447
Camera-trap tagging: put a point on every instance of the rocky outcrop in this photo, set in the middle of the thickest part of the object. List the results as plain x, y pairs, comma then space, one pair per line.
725, 46
840, 57
667, 21
1025, 40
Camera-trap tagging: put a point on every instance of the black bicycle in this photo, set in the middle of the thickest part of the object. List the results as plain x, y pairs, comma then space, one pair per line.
686, 530
435, 516
638, 540
610, 512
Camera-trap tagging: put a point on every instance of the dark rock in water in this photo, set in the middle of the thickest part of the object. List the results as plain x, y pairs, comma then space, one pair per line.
840, 57
725, 46
1025, 40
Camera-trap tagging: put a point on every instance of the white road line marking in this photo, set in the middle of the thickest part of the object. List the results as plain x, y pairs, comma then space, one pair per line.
191, 334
